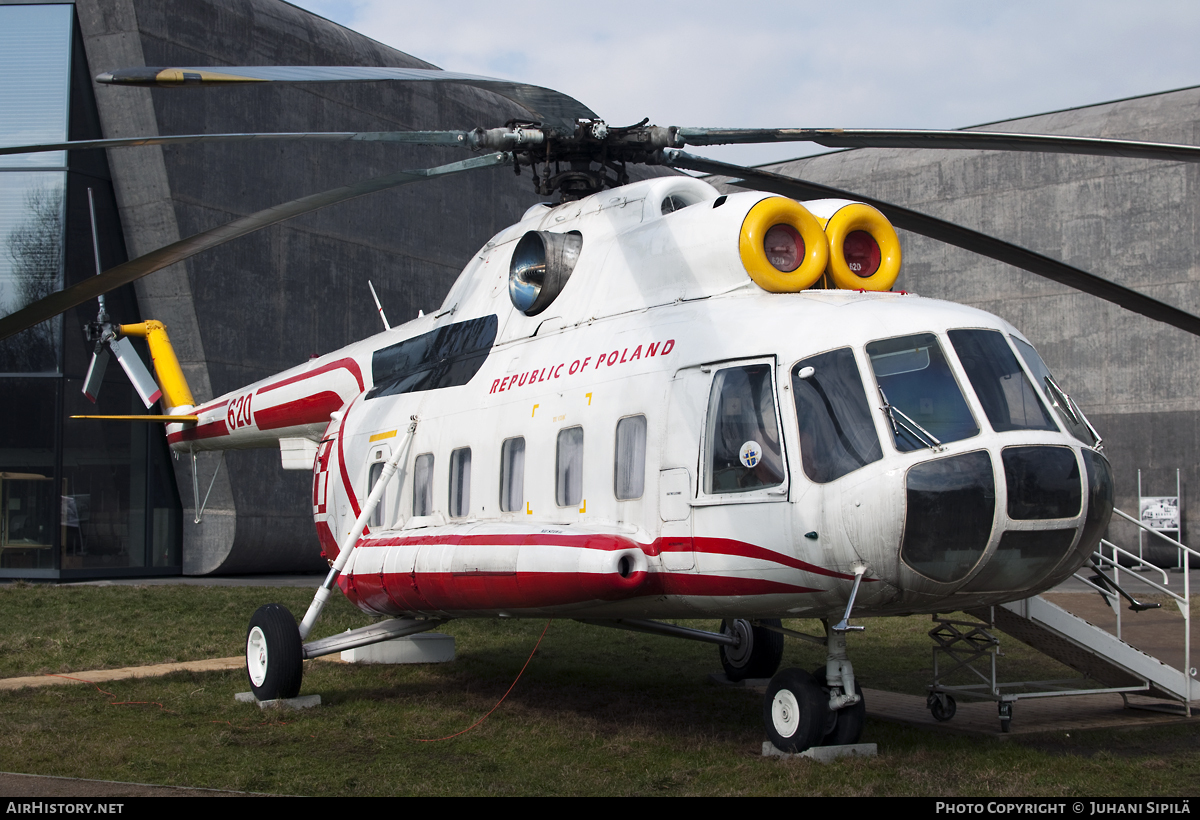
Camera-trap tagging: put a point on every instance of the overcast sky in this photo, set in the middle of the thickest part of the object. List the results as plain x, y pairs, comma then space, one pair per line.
762, 63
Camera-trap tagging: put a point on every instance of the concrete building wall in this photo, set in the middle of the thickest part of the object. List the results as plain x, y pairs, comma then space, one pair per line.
1132, 221
269, 301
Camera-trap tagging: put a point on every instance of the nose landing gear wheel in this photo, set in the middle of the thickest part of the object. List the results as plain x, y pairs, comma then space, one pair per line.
844, 726
794, 711
758, 653
274, 655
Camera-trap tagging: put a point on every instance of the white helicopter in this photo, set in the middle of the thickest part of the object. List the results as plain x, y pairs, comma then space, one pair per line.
654, 401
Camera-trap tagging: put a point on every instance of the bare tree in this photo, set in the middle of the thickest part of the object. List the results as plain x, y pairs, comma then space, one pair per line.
35, 247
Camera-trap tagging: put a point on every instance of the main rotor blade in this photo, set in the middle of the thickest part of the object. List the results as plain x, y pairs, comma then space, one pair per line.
965, 140
134, 269
951, 234
550, 106
408, 137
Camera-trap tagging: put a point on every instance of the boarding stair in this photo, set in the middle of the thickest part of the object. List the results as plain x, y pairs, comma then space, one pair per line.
1104, 654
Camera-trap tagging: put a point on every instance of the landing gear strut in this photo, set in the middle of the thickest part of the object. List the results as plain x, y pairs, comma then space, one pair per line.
825, 708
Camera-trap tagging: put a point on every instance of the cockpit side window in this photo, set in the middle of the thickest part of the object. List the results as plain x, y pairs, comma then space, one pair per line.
837, 435
924, 404
744, 448
1008, 398
1066, 409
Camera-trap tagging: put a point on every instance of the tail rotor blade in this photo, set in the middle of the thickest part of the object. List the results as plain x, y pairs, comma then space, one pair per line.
95, 374
131, 363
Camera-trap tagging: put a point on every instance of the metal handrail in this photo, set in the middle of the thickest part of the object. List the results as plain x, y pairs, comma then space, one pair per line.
1138, 523
1149, 567
1182, 601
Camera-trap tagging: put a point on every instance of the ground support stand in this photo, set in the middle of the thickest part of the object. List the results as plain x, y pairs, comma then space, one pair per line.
971, 646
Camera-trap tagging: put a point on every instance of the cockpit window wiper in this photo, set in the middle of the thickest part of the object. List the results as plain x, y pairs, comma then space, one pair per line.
1071, 409
910, 427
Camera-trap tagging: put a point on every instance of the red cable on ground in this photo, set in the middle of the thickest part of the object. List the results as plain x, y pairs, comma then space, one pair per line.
111, 695
497, 706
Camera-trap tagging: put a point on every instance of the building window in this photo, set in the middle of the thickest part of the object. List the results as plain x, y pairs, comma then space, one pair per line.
512, 475
35, 63
423, 485
460, 482
568, 482
630, 470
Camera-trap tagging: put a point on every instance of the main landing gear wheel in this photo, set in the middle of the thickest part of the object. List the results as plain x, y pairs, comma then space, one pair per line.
794, 711
758, 653
843, 727
274, 655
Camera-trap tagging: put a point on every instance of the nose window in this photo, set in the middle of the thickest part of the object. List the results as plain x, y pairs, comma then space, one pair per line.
1022, 559
951, 503
1043, 482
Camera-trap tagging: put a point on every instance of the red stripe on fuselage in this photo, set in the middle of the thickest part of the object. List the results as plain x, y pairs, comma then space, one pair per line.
474, 591
313, 409
329, 544
713, 546
491, 590
348, 365
342, 468
591, 541
308, 410
201, 431
727, 546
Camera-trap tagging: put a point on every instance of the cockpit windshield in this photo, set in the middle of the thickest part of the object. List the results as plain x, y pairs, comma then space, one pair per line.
1008, 398
1072, 418
924, 404
837, 435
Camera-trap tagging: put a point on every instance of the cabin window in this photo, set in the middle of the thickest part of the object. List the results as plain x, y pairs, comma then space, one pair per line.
373, 474
630, 478
743, 445
837, 435
512, 475
924, 404
568, 481
423, 485
460, 482
1008, 398
446, 357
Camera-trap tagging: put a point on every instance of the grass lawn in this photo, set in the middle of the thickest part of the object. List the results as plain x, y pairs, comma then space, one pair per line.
598, 711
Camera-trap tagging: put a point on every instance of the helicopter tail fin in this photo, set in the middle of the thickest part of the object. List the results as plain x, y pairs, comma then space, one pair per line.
167, 383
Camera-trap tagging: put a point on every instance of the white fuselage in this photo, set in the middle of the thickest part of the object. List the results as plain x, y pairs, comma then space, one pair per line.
641, 487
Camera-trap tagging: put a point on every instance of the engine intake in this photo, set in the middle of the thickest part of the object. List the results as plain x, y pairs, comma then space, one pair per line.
782, 246
541, 265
